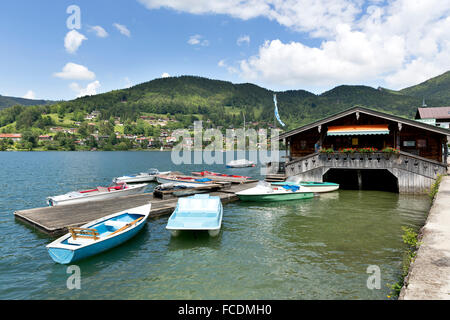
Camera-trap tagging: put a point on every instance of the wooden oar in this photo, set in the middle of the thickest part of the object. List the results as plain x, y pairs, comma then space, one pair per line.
127, 226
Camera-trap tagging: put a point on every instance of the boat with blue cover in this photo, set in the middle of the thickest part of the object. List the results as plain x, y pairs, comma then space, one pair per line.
99, 235
316, 187
199, 212
264, 191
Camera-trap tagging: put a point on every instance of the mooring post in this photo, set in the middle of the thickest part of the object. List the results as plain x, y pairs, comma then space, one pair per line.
359, 179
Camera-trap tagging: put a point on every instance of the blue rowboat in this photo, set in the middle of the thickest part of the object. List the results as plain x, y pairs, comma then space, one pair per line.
199, 212
99, 235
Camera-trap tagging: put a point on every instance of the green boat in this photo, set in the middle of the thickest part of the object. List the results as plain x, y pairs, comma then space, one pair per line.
265, 192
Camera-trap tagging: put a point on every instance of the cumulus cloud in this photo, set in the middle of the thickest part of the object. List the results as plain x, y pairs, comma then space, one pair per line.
223, 64
30, 95
165, 75
89, 90
73, 71
73, 41
243, 39
395, 43
198, 40
99, 31
122, 29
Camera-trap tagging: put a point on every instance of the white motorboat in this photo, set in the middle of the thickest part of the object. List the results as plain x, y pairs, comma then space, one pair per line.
141, 177
240, 163
316, 187
265, 192
99, 193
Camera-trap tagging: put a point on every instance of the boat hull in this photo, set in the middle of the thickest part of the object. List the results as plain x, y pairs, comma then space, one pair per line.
319, 187
54, 201
63, 252
275, 197
163, 180
138, 178
134, 179
67, 256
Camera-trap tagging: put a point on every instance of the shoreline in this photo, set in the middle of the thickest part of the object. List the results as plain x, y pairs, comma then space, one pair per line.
428, 277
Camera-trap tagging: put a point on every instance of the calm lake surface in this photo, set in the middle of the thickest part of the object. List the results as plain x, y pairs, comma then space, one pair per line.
318, 248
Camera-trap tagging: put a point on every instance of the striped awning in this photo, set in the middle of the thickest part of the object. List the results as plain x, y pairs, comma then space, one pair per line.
358, 130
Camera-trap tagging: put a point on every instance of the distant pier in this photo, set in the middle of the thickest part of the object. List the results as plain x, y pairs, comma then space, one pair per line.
56, 220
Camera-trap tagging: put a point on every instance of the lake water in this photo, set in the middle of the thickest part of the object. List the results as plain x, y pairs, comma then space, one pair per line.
318, 248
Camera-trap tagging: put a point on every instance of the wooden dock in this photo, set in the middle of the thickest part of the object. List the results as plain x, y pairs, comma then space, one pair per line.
55, 220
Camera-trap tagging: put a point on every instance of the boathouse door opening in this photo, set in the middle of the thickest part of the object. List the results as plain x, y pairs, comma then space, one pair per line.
363, 179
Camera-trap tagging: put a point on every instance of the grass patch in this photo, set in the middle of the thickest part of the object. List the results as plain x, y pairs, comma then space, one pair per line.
410, 238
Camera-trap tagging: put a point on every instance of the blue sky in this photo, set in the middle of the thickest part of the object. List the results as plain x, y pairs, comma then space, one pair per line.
286, 44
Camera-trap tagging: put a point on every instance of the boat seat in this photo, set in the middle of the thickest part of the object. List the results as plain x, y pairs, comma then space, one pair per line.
115, 223
80, 241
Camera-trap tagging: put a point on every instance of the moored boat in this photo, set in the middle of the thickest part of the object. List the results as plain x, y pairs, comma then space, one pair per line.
316, 187
240, 163
199, 212
99, 193
222, 176
141, 177
99, 235
265, 192
183, 180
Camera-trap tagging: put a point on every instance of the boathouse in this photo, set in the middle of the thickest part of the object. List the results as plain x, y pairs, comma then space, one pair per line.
367, 149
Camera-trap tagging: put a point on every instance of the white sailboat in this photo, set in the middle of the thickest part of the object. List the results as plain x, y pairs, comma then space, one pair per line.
241, 163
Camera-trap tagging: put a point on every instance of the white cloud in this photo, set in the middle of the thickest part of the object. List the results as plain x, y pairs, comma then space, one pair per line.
243, 39
122, 29
99, 31
30, 95
165, 75
128, 82
198, 40
73, 71
319, 16
73, 41
89, 90
223, 64
395, 43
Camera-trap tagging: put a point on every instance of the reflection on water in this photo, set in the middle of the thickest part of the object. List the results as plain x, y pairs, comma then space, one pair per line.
316, 248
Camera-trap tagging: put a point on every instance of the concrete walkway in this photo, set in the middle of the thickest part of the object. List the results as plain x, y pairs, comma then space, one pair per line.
429, 275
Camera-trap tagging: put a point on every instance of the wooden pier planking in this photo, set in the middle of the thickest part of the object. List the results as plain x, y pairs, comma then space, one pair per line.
56, 220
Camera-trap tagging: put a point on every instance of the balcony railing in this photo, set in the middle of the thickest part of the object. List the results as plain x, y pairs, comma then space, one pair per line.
377, 160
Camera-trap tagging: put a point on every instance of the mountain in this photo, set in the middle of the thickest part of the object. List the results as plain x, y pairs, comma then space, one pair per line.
188, 98
6, 102
434, 88
223, 101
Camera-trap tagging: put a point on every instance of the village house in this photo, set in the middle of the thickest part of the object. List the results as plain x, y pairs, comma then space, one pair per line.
439, 116
45, 138
15, 137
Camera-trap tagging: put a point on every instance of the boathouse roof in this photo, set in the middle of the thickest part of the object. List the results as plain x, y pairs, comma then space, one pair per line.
370, 112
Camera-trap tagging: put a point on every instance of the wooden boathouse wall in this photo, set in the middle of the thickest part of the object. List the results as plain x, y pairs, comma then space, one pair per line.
422, 156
